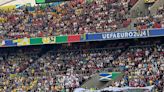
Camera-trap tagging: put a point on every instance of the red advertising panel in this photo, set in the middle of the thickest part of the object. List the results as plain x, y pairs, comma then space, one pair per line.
74, 38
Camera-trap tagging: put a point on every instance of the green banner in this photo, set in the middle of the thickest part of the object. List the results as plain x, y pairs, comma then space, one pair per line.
36, 41
115, 75
61, 39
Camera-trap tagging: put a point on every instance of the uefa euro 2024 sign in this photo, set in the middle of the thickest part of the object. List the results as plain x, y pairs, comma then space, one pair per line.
122, 35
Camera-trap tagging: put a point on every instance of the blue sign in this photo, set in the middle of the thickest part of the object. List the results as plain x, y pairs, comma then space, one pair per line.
8, 43
117, 35
94, 36
156, 32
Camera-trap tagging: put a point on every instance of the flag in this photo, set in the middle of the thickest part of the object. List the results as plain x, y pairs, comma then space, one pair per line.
115, 75
106, 76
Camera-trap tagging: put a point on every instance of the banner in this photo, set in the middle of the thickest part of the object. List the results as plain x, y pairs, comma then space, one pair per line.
8, 43
118, 35
157, 32
22, 42
93, 37
49, 40
61, 39
74, 38
35, 41
83, 38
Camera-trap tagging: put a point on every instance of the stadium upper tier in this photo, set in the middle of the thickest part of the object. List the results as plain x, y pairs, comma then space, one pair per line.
72, 17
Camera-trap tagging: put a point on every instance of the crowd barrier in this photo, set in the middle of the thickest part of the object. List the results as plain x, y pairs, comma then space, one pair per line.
83, 38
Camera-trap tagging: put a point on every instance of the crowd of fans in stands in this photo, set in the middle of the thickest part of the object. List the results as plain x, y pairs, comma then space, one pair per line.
72, 17
143, 66
67, 67
155, 21
12, 62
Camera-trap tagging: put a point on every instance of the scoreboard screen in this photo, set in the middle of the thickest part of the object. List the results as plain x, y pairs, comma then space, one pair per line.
48, 1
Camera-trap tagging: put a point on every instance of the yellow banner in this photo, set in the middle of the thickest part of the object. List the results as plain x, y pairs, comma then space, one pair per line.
48, 40
22, 42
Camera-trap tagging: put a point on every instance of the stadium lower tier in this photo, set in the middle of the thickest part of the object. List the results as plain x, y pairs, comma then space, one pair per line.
64, 67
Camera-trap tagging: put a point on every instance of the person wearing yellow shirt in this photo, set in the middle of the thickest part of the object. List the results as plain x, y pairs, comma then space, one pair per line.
2, 20
150, 82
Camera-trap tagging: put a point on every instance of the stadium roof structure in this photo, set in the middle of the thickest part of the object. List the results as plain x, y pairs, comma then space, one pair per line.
3, 2
15, 2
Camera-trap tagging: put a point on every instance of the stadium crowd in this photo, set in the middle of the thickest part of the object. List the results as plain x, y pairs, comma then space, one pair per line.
148, 22
72, 17
64, 68
143, 66
12, 62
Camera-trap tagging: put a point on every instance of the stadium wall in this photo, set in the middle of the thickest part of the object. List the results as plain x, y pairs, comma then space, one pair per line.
22, 2
3, 2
